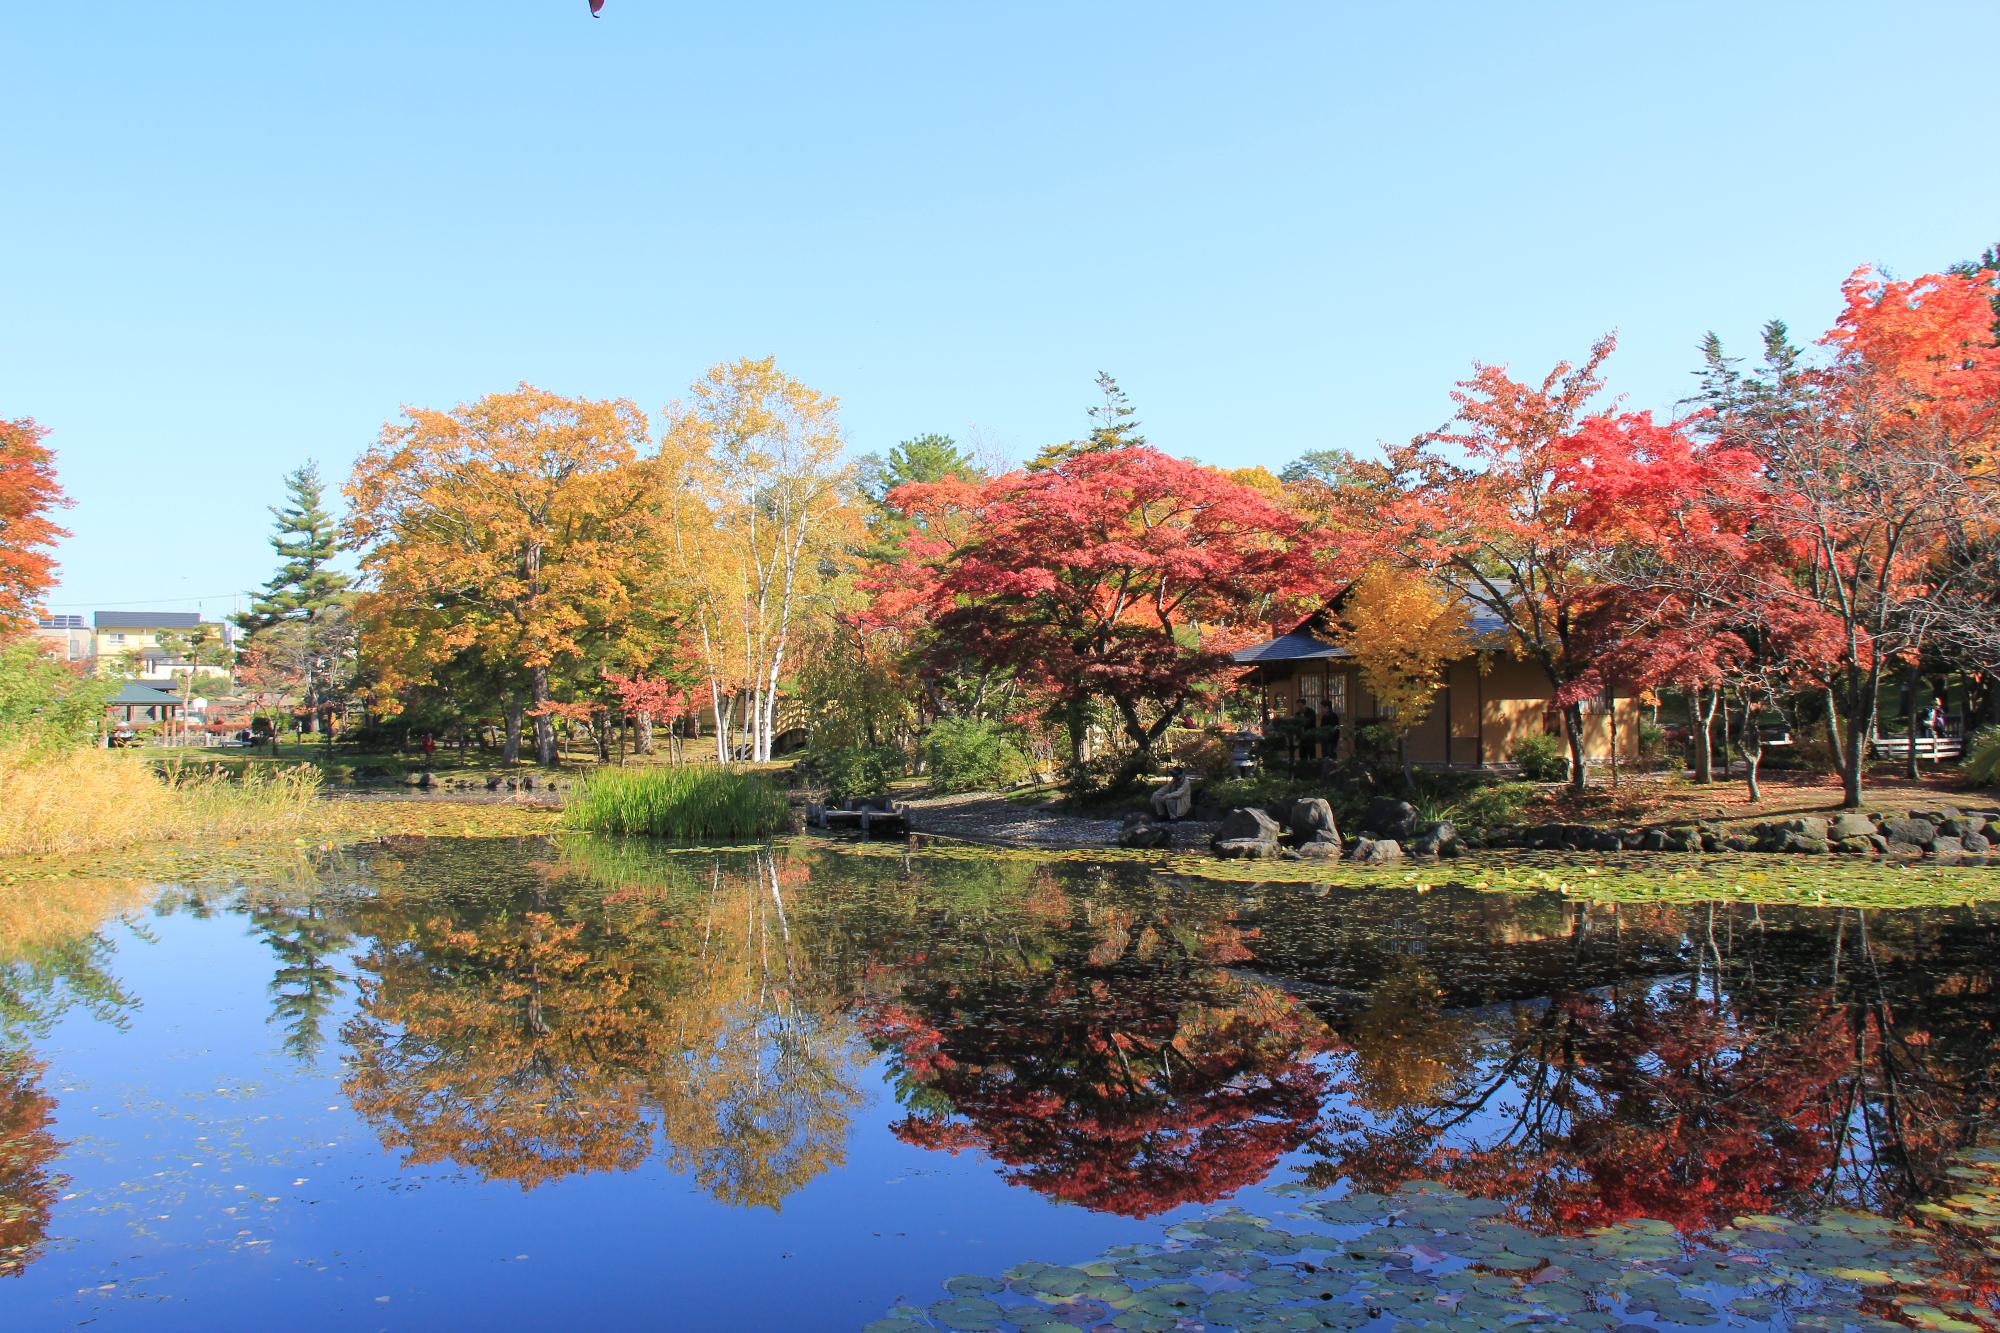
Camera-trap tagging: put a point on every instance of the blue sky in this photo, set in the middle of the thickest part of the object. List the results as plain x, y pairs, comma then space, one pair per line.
239, 236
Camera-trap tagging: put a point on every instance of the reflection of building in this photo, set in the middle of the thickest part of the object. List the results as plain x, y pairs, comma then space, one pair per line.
133, 637
68, 636
1489, 698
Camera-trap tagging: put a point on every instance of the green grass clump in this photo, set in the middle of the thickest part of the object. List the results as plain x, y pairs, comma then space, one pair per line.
1982, 757
694, 804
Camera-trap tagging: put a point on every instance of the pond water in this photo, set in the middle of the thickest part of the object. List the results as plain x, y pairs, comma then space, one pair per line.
533, 1083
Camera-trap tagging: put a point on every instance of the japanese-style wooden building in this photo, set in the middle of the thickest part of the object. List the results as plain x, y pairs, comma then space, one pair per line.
138, 703
1489, 698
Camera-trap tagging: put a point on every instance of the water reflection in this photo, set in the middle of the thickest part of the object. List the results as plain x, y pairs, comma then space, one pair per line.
1100, 1052
592, 1021
28, 1181
1108, 1038
1798, 1058
54, 957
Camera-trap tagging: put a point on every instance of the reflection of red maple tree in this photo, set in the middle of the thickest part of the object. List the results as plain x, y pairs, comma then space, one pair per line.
1131, 1076
27, 1186
1643, 1103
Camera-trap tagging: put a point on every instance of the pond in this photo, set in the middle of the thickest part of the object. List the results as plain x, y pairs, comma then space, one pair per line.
530, 1083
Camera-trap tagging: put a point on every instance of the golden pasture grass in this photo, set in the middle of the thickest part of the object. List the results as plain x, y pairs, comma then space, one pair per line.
69, 801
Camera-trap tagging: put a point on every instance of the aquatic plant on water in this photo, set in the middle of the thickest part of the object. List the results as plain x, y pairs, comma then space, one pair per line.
693, 804
1427, 1257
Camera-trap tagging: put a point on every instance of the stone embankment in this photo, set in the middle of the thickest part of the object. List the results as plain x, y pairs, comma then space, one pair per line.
1390, 830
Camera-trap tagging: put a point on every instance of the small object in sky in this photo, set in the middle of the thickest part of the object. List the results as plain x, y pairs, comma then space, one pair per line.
595, 6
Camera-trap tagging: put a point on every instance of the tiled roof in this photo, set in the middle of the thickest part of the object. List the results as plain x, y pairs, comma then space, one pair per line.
1298, 646
1303, 645
141, 695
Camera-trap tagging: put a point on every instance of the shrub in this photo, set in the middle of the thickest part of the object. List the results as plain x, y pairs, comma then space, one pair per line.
1492, 804
1107, 776
1203, 753
1982, 757
849, 771
45, 700
1541, 758
1654, 748
971, 754
696, 803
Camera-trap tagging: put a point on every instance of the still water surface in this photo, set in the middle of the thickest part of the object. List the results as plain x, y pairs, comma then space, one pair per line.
529, 1084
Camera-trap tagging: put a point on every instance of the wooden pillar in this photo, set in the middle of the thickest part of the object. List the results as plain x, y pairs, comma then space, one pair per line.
1479, 702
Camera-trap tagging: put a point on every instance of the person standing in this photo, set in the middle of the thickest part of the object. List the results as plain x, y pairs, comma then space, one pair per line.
1329, 729
1304, 721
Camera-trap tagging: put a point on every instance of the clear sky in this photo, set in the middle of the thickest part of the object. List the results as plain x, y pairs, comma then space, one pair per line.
240, 235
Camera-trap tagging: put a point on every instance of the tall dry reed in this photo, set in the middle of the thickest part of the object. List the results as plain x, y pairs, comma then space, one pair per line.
66, 801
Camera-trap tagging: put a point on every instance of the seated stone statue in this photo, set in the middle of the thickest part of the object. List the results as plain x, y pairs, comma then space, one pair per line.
1174, 800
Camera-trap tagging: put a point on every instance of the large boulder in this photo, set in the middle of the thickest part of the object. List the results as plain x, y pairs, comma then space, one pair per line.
1247, 821
1377, 851
1680, 840
1851, 824
1803, 843
1387, 817
1319, 849
1310, 817
1246, 833
1141, 832
1174, 800
1976, 844
1909, 831
1439, 839
1945, 846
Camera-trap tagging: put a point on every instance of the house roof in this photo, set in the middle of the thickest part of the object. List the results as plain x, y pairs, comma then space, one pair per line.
139, 695
1305, 644
148, 619
1297, 646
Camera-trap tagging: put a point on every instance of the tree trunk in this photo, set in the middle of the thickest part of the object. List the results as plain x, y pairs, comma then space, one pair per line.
1077, 718
1837, 741
545, 731
510, 751
1860, 720
1913, 687
1701, 718
1579, 772
1751, 741
643, 730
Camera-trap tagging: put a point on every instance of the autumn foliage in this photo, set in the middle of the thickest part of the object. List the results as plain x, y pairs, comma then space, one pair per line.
28, 494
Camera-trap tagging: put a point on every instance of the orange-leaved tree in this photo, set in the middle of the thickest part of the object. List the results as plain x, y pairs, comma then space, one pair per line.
28, 492
759, 507
1403, 633
511, 527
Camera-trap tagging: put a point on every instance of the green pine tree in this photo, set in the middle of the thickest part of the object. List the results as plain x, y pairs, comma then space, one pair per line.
304, 536
300, 618
1112, 426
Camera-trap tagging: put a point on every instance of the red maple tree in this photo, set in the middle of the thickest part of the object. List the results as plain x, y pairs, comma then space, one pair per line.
1121, 574
28, 493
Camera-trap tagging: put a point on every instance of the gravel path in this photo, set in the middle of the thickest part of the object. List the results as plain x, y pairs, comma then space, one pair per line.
984, 817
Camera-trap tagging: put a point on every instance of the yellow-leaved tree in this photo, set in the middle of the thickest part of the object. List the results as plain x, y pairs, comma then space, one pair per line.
510, 530
1403, 632
759, 513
